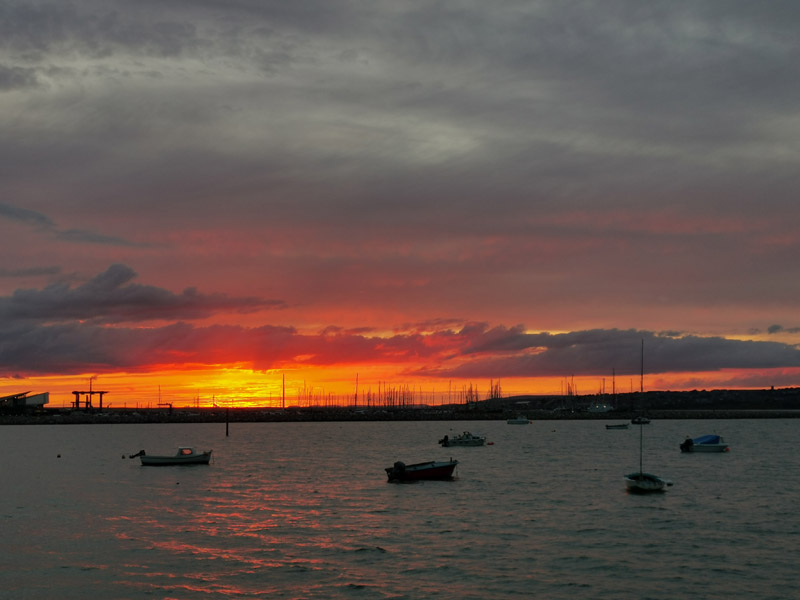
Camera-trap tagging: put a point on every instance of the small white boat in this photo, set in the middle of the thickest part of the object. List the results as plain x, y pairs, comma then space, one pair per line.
640, 420
518, 421
705, 443
464, 439
186, 455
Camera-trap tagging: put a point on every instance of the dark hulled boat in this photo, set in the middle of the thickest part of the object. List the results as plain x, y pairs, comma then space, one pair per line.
431, 470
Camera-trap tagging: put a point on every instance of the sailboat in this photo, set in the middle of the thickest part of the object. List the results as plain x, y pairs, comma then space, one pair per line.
639, 481
642, 482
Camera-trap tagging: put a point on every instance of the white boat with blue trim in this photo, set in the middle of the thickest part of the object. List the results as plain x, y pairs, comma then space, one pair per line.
705, 443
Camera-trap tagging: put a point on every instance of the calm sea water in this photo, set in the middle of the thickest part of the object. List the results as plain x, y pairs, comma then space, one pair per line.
303, 510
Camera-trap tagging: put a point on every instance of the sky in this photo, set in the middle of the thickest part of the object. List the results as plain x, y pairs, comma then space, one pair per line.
222, 200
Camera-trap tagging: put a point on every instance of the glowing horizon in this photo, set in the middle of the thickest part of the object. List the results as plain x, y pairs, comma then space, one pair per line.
243, 388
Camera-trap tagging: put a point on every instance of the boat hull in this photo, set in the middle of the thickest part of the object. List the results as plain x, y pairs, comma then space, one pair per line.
706, 443
620, 426
465, 439
645, 483
427, 471
451, 443
708, 448
203, 458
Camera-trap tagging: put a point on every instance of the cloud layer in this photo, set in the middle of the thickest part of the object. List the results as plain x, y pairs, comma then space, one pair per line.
112, 297
93, 327
593, 170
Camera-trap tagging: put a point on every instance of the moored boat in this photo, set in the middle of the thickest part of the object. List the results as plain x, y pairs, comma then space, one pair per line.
518, 421
640, 482
705, 443
464, 439
619, 426
186, 455
431, 470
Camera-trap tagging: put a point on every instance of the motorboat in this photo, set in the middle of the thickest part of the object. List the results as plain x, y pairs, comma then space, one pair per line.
186, 455
619, 426
640, 482
518, 421
464, 439
640, 420
705, 443
425, 471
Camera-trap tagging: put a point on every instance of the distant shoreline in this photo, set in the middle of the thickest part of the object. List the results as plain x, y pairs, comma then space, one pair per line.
295, 415
699, 404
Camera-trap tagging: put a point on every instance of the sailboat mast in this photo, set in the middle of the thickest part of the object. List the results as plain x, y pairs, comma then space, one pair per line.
641, 389
641, 470
641, 376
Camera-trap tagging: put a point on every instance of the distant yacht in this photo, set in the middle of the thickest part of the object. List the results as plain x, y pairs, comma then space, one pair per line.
518, 421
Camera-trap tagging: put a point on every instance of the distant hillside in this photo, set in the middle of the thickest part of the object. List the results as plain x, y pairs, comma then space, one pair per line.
771, 399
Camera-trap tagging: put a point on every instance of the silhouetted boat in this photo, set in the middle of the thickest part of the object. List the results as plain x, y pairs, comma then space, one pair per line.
619, 426
518, 421
432, 470
645, 482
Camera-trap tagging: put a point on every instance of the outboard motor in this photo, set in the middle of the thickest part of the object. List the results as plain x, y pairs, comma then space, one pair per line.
397, 471
687, 445
445, 441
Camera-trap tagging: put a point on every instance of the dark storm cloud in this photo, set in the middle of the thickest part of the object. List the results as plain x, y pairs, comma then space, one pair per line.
26, 216
781, 329
77, 347
80, 236
30, 271
43, 223
111, 297
501, 352
12, 78
33, 29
